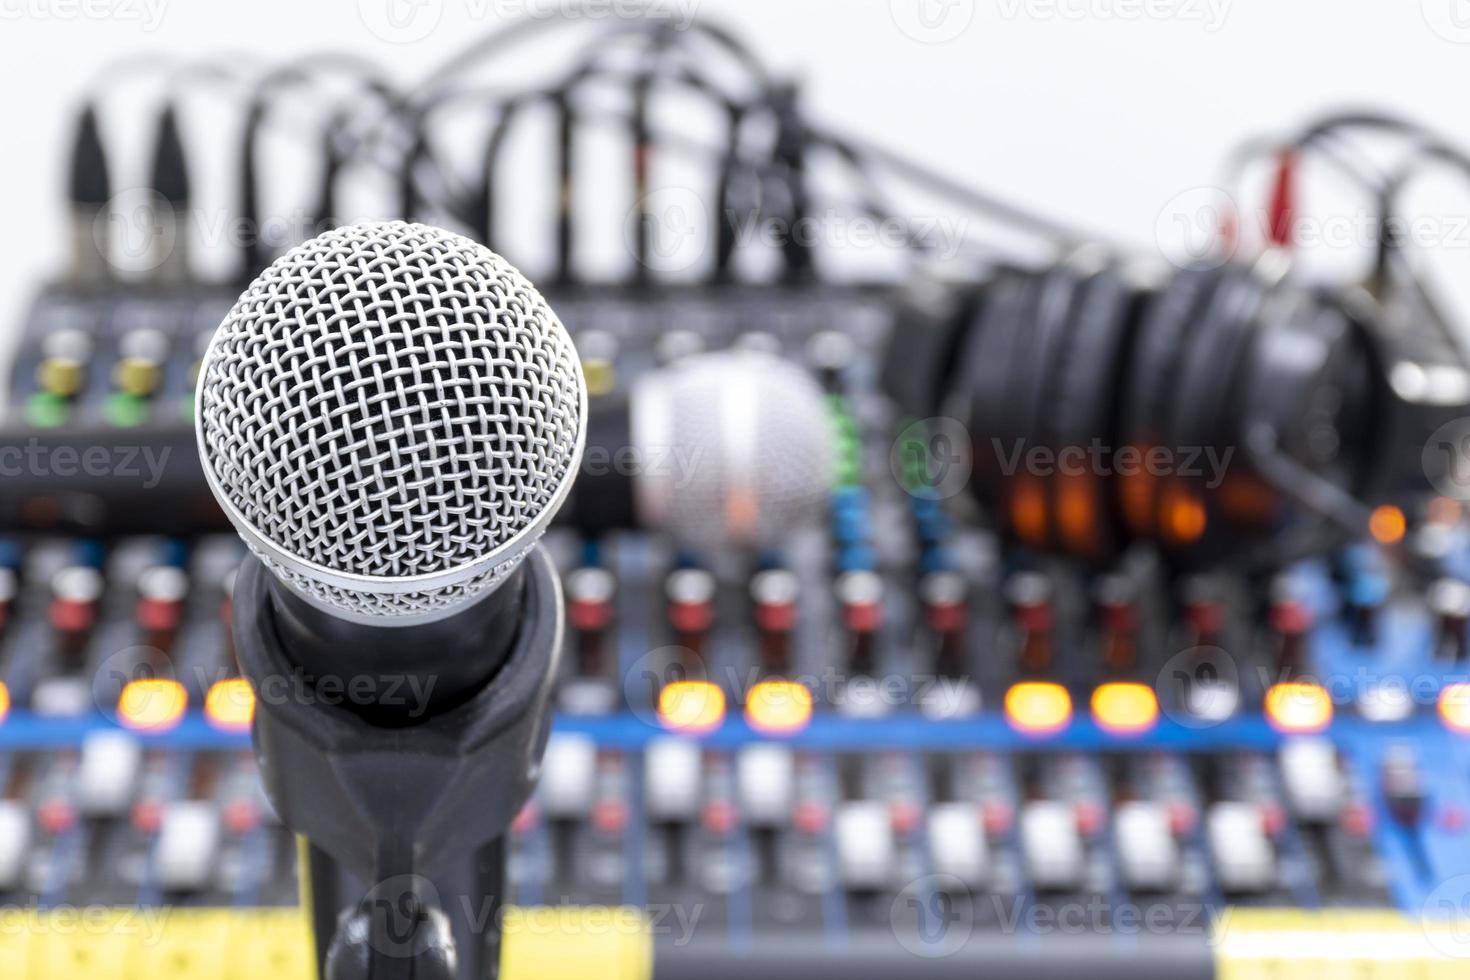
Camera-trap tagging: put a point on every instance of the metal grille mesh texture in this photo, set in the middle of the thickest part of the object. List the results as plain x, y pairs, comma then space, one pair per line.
391, 400
755, 456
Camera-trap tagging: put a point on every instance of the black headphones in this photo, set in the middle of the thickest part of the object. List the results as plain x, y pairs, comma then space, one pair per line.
1104, 411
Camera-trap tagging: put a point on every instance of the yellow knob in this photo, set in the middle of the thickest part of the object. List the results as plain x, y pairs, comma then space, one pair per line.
61, 376
600, 374
136, 376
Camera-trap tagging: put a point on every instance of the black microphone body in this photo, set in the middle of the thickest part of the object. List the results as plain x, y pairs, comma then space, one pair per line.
410, 804
403, 673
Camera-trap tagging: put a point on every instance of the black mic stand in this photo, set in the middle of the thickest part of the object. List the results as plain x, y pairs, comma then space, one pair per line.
415, 805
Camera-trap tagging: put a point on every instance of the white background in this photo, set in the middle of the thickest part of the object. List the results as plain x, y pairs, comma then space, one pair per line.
1099, 111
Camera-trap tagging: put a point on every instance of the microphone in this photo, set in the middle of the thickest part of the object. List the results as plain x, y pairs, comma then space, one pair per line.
730, 448
390, 417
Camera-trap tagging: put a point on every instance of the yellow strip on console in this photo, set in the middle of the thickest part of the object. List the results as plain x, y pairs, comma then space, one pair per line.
1361, 944
103, 943
162, 943
557, 942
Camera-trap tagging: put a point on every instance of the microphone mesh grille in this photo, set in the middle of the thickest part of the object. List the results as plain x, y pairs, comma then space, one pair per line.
753, 458
391, 401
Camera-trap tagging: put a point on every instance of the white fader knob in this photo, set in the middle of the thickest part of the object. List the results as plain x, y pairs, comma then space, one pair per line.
1148, 855
188, 841
957, 843
865, 851
567, 772
15, 841
766, 777
1244, 859
1312, 779
671, 783
108, 773
1052, 846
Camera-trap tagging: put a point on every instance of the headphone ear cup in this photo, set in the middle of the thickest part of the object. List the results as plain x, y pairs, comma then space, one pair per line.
1044, 332
1083, 410
987, 358
1153, 364
1198, 422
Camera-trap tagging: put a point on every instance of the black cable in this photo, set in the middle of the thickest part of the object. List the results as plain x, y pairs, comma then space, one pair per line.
299, 71
418, 147
528, 27
170, 169
455, 205
1324, 139
326, 212
790, 149
661, 36
658, 46
564, 186
1361, 119
89, 187
1391, 247
725, 210
855, 149
562, 97
638, 132
934, 182
794, 139
657, 43
490, 169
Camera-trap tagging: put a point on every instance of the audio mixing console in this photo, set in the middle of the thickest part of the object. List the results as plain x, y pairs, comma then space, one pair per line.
894, 744
861, 672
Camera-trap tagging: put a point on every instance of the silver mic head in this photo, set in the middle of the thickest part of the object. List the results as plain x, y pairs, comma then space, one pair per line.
745, 444
390, 415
